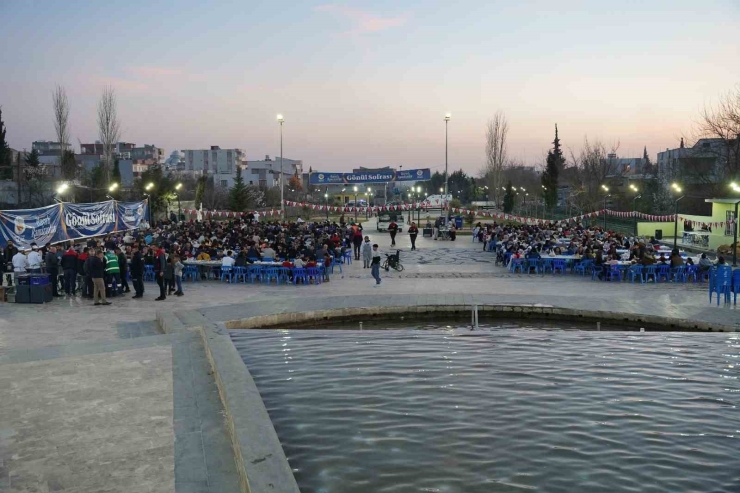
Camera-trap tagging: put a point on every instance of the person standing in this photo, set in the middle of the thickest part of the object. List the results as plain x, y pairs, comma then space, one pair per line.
34, 260
393, 229
367, 253
160, 263
413, 233
357, 241
123, 266
97, 274
113, 272
10, 252
85, 281
137, 271
69, 267
20, 264
52, 268
179, 266
376, 265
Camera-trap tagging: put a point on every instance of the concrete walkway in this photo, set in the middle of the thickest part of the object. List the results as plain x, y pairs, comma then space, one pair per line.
97, 399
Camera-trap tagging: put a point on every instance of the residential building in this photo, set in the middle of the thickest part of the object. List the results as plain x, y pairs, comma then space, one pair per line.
212, 161
704, 162
266, 172
120, 150
149, 153
47, 147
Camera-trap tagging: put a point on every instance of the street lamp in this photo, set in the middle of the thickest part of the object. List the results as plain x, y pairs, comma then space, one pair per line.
355, 190
677, 189
447, 175
280, 120
179, 209
112, 188
605, 197
326, 200
62, 188
148, 188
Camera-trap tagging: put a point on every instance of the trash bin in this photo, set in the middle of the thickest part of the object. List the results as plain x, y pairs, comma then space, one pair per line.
458, 222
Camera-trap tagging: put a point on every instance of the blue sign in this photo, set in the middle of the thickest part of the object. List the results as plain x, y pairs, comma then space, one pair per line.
321, 178
62, 222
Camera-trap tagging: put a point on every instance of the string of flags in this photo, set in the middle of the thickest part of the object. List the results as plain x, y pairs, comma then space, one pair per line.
458, 210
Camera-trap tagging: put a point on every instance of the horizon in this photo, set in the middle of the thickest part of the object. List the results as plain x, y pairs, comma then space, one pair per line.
370, 85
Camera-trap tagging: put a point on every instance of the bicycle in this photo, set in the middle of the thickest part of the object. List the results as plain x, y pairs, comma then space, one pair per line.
393, 261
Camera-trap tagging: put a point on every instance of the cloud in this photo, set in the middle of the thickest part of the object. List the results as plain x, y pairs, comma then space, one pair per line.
153, 71
363, 22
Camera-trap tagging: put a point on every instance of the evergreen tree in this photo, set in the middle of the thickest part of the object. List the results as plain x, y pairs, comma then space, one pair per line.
200, 191
238, 194
6, 164
509, 198
32, 168
116, 175
555, 164
69, 166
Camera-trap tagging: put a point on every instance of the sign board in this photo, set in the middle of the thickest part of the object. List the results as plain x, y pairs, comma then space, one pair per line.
323, 178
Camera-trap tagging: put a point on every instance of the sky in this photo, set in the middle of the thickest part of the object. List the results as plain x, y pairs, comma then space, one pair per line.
368, 83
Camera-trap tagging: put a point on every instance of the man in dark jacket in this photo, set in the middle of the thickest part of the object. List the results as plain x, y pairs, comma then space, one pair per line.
160, 263
86, 284
123, 265
69, 267
52, 268
96, 270
10, 252
137, 270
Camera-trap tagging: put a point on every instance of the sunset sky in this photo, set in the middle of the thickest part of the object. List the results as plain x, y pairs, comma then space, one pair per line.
368, 83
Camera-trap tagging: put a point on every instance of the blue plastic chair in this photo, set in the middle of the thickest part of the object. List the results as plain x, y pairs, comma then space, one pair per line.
240, 272
649, 270
583, 266
721, 283
663, 272
736, 283
348, 256
634, 272
299, 273
313, 273
545, 265
558, 265
254, 272
692, 272
149, 273
334, 263
614, 272
596, 270
507, 257
190, 272
517, 264
678, 274
226, 273
271, 273
284, 273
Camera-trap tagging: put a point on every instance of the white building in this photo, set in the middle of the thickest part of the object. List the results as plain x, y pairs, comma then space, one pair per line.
212, 161
266, 172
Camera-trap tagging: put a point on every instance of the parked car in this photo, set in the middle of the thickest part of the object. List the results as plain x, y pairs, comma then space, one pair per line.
386, 217
437, 200
360, 203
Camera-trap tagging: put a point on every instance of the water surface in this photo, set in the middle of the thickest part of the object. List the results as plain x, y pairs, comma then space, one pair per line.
502, 410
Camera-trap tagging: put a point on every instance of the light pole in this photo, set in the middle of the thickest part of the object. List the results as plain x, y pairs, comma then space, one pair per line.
148, 188
634, 205
179, 209
326, 200
280, 120
355, 189
606, 189
447, 174
676, 188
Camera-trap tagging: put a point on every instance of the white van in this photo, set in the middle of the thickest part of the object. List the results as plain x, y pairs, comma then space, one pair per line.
386, 217
360, 203
434, 201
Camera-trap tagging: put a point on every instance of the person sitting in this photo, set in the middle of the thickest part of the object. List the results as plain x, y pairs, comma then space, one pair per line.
689, 261
653, 241
704, 263
662, 260
241, 259
676, 260
268, 252
202, 255
252, 253
228, 260
299, 262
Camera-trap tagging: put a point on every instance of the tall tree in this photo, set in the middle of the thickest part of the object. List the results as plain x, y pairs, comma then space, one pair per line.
238, 193
32, 169
496, 133
60, 105
6, 159
555, 163
509, 198
69, 166
109, 128
200, 190
116, 174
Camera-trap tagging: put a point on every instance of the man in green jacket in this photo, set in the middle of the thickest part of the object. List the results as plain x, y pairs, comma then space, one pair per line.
112, 272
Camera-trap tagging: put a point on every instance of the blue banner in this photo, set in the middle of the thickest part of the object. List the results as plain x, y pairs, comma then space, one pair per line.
26, 226
62, 222
321, 178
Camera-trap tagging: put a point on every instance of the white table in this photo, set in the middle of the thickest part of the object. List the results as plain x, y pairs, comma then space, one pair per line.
700, 238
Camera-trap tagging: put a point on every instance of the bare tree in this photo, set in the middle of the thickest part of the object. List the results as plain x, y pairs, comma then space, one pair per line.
722, 121
109, 129
590, 171
60, 105
496, 133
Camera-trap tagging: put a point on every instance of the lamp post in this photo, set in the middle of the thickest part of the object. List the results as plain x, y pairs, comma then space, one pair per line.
606, 189
179, 209
280, 120
326, 201
355, 190
676, 188
447, 174
148, 188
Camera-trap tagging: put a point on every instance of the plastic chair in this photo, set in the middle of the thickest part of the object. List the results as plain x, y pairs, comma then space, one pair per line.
333, 264
191, 272
254, 272
649, 270
583, 266
692, 272
226, 273
240, 272
634, 272
596, 270
299, 273
705, 275
271, 273
284, 273
348, 256
678, 274
663, 272
614, 272
313, 273
721, 283
507, 257
545, 265
558, 265
517, 264
149, 273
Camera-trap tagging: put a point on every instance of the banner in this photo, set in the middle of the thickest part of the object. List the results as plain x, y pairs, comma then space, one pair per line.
62, 222
322, 178
26, 226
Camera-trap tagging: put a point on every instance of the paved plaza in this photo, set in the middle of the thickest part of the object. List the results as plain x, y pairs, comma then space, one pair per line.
98, 399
